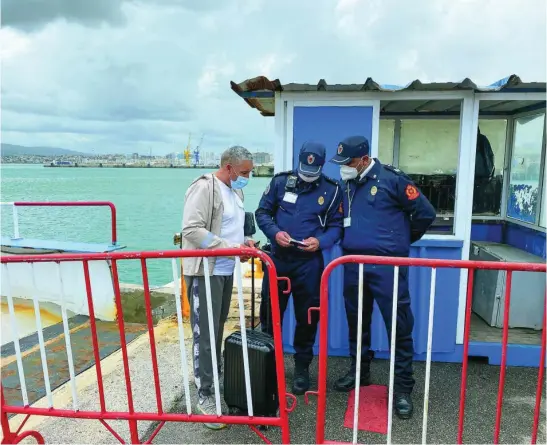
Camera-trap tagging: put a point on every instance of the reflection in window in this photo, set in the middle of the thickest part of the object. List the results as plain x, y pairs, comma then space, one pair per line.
543, 217
488, 189
429, 155
525, 168
429, 146
385, 141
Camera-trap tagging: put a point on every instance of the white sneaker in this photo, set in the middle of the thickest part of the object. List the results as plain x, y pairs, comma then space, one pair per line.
207, 406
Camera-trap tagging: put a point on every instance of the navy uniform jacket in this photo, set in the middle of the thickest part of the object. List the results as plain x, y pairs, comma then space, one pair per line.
316, 213
388, 212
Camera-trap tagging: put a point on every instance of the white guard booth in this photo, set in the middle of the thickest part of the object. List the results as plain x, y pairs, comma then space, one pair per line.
430, 131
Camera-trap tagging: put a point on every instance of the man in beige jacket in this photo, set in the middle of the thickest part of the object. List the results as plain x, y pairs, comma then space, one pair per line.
213, 218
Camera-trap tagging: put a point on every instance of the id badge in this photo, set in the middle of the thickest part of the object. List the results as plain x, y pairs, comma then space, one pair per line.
290, 197
347, 222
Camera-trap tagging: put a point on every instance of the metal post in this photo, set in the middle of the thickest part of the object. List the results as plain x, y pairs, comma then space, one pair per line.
253, 293
15, 222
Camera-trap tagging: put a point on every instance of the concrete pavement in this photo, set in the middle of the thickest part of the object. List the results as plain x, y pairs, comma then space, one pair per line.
443, 410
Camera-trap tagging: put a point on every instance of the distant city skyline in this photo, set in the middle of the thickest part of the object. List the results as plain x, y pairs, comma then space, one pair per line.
142, 152
15, 154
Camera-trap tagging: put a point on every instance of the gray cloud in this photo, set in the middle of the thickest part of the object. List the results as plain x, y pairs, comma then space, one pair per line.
164, 71
30, 15
192, 5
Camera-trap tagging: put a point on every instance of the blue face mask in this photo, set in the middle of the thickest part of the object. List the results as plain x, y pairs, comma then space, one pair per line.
239, 183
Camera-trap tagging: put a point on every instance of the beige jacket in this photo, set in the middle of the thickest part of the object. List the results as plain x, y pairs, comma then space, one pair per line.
202, 221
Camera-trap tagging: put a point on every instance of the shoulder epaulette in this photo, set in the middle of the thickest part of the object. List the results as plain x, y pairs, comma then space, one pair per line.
288, 172
331, 180
393, 169
397, 171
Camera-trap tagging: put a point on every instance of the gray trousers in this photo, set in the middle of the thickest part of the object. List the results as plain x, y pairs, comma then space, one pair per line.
221, 296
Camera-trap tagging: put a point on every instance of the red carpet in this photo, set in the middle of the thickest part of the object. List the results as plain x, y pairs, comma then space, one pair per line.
372, 409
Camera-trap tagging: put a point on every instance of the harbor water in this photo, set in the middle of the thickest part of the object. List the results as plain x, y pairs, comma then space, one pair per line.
149, 205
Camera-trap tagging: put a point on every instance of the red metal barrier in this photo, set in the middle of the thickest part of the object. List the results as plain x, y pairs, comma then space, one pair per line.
281, 420
76, 204
471, 266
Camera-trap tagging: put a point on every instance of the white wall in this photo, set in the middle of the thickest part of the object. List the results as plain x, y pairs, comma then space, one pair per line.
46, 285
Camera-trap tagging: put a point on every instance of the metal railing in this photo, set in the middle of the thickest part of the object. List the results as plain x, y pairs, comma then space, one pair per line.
15, 214
434, 264
132, 415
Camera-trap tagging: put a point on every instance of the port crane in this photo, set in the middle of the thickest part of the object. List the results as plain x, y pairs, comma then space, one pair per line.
197, 151
187, 153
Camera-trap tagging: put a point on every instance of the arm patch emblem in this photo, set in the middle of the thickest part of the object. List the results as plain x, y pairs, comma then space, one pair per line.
411, 192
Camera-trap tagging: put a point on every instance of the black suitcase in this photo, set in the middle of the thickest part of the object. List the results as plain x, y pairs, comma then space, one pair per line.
262, 372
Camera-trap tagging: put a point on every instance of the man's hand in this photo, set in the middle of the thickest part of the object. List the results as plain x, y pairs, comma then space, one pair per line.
250, 243
245, 258
282, 238
312, 245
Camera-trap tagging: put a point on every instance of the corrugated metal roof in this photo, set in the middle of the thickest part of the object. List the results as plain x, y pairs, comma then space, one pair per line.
259, 92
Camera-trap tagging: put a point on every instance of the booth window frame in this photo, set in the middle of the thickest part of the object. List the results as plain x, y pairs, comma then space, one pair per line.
468, 118
507, 174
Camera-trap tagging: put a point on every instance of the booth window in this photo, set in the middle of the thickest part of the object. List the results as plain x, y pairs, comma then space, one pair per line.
386, 137
543, 217
428, 153
523, 196
489, 167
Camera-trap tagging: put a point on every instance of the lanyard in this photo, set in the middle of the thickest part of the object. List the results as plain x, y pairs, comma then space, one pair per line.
350, 198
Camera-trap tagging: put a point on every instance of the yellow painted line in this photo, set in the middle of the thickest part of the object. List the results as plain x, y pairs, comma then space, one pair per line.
166, 330
36, 347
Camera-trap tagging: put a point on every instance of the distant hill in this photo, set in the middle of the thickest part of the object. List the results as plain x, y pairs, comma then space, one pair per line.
19, 150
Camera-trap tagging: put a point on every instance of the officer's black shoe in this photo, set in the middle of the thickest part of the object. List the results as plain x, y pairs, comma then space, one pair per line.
301, 381
403, 405
347, 382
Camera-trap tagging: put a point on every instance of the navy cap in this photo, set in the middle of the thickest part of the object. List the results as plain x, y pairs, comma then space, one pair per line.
312, 158
351, 147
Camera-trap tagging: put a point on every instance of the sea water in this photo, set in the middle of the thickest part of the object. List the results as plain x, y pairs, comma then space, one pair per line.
149, 203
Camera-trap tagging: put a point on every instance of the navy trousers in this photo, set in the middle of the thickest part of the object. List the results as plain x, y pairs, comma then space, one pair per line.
378, 285
305, 275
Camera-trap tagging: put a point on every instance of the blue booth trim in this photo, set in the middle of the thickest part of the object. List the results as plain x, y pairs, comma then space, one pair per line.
446, 305
526, 238
517, 355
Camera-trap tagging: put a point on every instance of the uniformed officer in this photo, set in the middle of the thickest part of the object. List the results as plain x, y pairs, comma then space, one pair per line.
384, 213
300, 213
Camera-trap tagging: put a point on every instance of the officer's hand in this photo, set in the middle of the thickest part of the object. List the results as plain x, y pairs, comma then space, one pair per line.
312, 244
282, 238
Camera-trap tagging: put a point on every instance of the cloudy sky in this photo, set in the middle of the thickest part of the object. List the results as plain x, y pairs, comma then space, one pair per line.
133, 75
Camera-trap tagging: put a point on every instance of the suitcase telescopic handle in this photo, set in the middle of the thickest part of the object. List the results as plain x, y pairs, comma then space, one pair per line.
288, 290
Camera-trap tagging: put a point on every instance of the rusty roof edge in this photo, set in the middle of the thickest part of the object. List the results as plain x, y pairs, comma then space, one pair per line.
262, 83
259, 91
259, 83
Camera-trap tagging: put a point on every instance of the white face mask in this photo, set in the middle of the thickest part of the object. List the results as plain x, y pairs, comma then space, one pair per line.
308, 178
348, 173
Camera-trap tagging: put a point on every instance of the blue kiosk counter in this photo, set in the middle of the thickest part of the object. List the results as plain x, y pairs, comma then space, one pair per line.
478, 154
